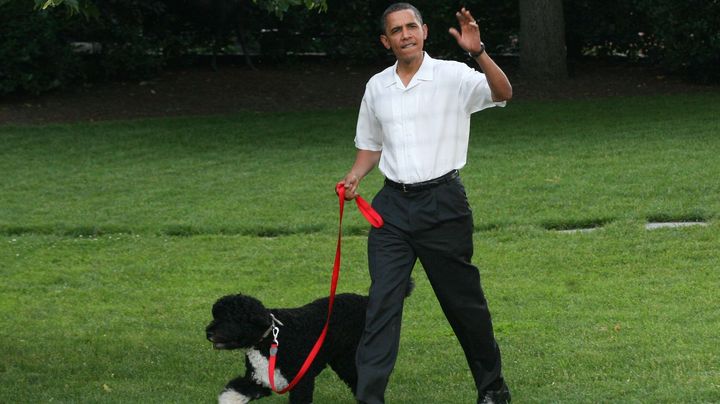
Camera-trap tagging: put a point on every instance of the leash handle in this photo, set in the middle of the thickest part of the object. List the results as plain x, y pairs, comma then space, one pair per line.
367, 211
376, 221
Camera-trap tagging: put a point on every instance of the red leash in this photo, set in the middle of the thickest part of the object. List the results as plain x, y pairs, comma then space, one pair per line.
376, 221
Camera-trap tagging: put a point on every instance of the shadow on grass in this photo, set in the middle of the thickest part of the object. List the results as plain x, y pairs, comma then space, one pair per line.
185, 230
64, 231
696, 216
575, 224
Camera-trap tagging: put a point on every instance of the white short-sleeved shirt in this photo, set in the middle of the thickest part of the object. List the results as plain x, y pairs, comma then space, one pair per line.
423, 129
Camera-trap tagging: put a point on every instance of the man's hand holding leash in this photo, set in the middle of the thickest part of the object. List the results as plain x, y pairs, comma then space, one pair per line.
365, 161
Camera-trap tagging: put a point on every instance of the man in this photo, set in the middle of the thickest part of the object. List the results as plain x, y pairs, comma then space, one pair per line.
414, 122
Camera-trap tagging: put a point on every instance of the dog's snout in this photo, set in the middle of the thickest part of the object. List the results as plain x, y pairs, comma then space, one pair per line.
210, 335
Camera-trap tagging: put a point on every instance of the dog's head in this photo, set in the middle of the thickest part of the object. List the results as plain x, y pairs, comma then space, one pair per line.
239, 321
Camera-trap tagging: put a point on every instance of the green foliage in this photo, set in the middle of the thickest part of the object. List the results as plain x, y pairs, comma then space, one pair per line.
606, 28
35, 56
498, 23
681, 36
130, 33
351, 30
88, 8
85, 7
140, 37
687, 35
127, 52
280, 7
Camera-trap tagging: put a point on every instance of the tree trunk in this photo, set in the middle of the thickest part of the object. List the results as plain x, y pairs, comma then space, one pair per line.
243, 46
542, 40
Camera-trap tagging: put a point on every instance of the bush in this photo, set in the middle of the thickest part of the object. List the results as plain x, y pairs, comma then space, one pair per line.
34, 55
351, 30
126, 53
127, 31
680, 36
687, 35
605, 28
139, 37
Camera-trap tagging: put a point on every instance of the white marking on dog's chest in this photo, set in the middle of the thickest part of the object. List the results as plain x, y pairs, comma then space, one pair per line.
260, 370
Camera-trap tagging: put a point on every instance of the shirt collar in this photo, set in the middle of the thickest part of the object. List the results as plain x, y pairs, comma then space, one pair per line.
424, 73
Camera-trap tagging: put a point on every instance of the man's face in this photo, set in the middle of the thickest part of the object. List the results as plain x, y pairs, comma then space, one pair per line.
404, 35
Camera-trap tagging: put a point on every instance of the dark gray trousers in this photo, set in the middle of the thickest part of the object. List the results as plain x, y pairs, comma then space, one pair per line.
435, 226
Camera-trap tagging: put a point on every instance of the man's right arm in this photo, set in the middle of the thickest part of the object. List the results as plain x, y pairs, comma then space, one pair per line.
368, 142
365, 161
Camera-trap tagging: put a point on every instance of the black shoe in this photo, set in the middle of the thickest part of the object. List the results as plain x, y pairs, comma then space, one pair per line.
500, 396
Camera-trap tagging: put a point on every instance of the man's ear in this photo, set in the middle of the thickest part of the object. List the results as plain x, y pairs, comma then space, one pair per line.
425, 31
385, 41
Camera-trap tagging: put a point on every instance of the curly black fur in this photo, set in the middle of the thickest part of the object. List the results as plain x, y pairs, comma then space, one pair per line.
242, 322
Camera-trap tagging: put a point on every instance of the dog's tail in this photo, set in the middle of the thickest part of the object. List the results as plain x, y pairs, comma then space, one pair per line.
410, 287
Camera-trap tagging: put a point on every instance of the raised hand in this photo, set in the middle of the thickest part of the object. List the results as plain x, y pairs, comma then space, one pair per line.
469, 36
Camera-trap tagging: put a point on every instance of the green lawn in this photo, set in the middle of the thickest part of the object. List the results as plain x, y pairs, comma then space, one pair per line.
116, 238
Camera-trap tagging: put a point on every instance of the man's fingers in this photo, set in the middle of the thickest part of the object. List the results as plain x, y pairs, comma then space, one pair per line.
465, 19
462, 20
467, 14
454, 33
350, 194
349, 190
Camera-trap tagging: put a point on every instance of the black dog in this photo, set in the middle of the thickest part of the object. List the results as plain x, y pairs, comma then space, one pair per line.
242, 322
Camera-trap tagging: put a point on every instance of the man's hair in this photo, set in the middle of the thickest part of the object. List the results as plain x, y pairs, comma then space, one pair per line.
397, 7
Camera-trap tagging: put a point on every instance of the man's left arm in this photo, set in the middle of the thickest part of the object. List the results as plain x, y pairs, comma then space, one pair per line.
497, 80
469, 40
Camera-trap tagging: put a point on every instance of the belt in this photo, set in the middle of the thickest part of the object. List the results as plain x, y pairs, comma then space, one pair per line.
421, 186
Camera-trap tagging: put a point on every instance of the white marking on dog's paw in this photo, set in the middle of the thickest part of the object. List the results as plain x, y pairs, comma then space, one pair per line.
232, 397
260, 371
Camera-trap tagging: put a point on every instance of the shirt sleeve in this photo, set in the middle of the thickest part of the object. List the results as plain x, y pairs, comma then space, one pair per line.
475, 92
368, 135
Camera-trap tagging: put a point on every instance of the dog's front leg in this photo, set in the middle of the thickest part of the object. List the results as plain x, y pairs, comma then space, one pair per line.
303, 391
241, 391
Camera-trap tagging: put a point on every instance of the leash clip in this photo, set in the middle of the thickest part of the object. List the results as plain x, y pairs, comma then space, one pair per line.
275, 328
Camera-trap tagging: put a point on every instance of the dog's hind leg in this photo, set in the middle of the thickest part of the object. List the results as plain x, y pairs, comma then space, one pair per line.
241, 391
347, 371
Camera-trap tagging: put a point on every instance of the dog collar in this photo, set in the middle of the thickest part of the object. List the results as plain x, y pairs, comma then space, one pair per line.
266, 333
273, 322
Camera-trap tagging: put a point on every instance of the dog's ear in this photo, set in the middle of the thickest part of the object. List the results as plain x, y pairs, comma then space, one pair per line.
261, 319
251, 311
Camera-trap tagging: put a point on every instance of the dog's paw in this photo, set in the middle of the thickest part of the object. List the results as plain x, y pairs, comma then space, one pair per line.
232, 397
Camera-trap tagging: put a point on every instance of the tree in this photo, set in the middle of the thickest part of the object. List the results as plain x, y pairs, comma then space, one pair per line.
278, 7
542, 40
217, 19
